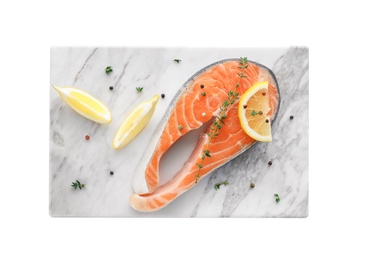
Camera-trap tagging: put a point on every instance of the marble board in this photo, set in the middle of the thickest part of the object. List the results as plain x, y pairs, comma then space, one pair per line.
73, 158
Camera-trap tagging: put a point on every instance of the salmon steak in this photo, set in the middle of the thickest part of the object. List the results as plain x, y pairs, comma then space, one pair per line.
199, 102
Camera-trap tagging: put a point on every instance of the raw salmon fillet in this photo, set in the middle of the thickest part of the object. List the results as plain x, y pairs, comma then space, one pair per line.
189, 110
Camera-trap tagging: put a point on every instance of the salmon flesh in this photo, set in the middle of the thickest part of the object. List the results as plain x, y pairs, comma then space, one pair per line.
189, 110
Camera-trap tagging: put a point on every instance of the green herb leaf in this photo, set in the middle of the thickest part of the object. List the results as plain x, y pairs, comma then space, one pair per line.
253, 113
199, 165
203, 94
108, 69
177, 60
277, 198
207, 153
180, 127
139, 89
242, 75
243, 61
217, 186
77, 184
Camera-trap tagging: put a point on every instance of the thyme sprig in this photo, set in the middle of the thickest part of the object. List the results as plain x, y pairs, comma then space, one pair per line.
254, 112
217, 186
77, 184
108, 69
218, 122
277, 198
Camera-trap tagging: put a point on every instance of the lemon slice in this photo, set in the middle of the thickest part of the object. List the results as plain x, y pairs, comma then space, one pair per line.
135, 122
85, 104
253, 112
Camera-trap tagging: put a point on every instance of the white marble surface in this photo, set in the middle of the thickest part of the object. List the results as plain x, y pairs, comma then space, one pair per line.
72, 157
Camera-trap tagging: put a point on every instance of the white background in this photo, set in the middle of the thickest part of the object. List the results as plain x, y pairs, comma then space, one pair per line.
336, 34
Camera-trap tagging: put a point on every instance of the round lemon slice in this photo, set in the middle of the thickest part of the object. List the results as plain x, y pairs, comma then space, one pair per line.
85, 104
253, 112
135, 122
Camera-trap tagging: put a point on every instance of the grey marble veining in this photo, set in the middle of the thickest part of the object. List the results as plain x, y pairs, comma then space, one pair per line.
72, 157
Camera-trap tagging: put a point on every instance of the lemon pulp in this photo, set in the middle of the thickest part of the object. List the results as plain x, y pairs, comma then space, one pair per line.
253, 112
134, 123
85, 104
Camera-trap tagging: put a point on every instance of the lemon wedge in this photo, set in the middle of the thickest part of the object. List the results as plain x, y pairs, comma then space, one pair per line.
253, 112
85, 104
135, 122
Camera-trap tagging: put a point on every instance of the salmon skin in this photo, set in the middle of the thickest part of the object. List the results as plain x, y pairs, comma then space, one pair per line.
189, 110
